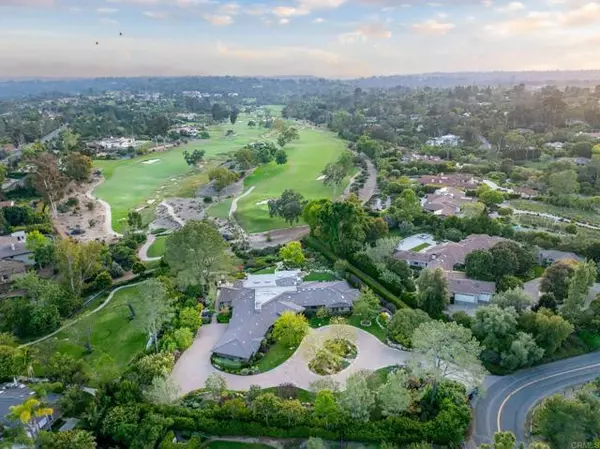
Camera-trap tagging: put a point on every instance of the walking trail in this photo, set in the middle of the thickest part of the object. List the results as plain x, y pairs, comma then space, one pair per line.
234, 203
76, 320
108, 220
143, 252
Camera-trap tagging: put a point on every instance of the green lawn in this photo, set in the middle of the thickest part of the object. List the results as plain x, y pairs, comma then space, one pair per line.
306, 159
220, 210
116, 340
268, 270
321, 276
275, 356
130, 183
236, 445
157, 249
353, 320
418, 248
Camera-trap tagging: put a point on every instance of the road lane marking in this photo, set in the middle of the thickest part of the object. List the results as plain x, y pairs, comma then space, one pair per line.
499, 417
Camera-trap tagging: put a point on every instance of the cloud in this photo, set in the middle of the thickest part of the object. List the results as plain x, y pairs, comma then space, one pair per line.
284, 21
364, 32
487, 3
305, 7
433, 27
256, 10
289, 11
106, 10
107, 21
319, 20
229, 9
218, 20
582, 16
157, 15
511, 7
27, 3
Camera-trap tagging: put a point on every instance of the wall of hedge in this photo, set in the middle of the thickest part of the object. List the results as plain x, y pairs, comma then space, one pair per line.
358, 276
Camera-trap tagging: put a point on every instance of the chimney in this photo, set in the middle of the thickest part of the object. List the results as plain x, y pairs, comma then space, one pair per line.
12, 246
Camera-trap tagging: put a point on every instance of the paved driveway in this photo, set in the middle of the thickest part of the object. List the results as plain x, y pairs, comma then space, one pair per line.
194, 366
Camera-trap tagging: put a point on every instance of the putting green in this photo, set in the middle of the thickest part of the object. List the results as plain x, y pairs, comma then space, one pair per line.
306, 159
137, 182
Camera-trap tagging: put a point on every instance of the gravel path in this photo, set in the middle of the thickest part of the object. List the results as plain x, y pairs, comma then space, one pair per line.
194, 366
143, 252
70, 323
108, 219
234, 203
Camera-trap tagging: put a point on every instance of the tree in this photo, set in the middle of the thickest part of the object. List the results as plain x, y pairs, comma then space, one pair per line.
340, 225
67, 370
11, 362
382, 250
163, 391
407, 206
514, 297
281, 157
46, 292
154, 365
193, 158
555, 281
245, 158
371, 147
522, 352
550, 330
233, 115
222, 177
491, 198
190, 318
472, 209
289, 206
77, 262
326, 408
563, 182
251, 123
495, 327
447, 349
292, 255
154, 308
134, 220
266, 407
432, 294
336, 172
184, 338
479, 264
394, 395
509, 282
215, 385
47, 179
197, 252
77, 167
287, 134
404, 323
357, 399
28, 412
561, 421
71, 439
582, 279
315, 443
367, 306
138, 268
290, 328
35, 240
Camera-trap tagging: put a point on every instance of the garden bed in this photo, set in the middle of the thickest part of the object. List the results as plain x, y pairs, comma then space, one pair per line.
335, 355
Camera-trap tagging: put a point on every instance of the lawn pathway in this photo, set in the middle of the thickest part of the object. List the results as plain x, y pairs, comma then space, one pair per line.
234, 203
143, 252
108, 219
76, 320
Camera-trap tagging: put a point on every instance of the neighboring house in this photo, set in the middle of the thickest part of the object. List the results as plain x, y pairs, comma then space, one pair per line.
4, 204
549, 256
457, 180
10, 270
117, 143
471, 291
446, 201
12, 395
259, 300
447, 255
13, 247
526, 192
448, 139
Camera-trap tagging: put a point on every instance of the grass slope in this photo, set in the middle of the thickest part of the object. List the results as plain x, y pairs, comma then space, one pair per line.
306, 159
130, 183
157, 249
116, 340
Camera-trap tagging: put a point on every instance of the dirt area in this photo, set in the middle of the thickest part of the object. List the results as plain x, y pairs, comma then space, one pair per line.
188, 208
87, 220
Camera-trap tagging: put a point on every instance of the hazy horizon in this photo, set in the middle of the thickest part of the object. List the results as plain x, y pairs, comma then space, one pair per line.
336, 39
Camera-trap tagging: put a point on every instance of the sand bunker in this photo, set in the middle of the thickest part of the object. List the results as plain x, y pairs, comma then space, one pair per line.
262, 203
151, 201
151, 161
321, 178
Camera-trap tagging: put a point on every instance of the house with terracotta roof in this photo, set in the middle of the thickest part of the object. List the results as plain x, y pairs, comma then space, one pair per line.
446, 201
456, 180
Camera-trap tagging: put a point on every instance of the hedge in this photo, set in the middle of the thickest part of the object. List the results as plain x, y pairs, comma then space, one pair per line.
363, 278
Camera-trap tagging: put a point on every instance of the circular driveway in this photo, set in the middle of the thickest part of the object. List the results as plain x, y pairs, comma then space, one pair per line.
193, 367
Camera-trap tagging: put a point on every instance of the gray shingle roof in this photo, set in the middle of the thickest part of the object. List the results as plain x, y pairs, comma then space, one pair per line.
248, 324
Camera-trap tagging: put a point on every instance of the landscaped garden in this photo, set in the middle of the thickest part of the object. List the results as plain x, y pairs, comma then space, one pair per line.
335, 355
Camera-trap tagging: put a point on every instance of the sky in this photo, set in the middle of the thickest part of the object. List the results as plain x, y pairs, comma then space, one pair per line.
328, 38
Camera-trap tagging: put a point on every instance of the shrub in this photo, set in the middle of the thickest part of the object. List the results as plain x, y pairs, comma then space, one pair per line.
184, 338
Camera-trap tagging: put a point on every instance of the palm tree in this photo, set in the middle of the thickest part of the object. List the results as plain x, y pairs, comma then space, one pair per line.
28, 412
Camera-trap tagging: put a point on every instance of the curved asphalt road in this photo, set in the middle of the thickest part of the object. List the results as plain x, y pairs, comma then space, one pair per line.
508, 399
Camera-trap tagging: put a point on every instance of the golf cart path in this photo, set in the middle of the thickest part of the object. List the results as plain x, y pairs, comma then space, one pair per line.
76, 320
234, 203
108, 219
194, 366
143, 252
